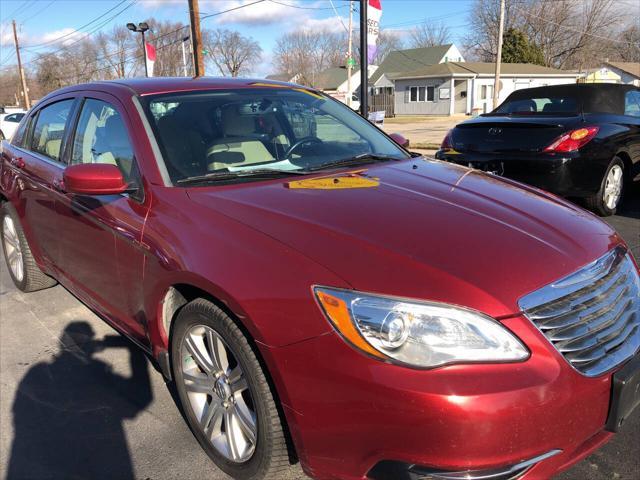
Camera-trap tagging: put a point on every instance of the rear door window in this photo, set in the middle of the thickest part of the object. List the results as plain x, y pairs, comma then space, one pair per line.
49, 129
632, 103
539, 105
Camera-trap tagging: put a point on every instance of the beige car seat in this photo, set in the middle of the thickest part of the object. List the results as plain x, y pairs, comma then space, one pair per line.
237, 147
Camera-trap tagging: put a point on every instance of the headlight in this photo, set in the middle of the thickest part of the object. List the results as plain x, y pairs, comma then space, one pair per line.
419, 334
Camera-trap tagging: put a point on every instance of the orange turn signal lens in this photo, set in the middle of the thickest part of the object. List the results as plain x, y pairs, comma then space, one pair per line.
579, 134
338, 313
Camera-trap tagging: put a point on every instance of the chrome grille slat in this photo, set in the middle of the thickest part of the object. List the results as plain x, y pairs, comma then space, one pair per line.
623, 320
575, 300
569, 337
582, 312
592, 317
600, 351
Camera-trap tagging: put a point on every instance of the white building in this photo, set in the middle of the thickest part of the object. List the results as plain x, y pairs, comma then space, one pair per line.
467, 87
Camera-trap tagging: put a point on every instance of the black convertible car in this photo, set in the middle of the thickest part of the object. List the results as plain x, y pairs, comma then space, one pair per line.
578, 141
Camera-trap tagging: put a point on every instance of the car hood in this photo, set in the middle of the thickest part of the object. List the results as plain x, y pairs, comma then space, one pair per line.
422, 229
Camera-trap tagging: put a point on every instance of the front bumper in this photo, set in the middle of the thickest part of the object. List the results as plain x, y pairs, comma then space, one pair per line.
572, 174
348, 413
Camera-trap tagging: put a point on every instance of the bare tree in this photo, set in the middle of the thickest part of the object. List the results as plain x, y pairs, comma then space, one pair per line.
115, 50
9, 86
308, 52
232, 53
388, 41
570, 33
429, 35
628, 47
167, 37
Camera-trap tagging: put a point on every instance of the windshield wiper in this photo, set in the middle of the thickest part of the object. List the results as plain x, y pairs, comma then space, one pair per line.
222, 176
355, 160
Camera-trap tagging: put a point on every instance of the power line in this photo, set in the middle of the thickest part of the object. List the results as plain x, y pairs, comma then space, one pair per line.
222, 12
77, 30
307, 8
23, 21
83, 37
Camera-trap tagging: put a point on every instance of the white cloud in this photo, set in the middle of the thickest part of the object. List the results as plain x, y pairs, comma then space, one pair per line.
6, 35
331, 24
59, 38
265, 13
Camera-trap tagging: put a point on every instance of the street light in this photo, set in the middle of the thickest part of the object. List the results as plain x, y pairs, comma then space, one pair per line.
141, 28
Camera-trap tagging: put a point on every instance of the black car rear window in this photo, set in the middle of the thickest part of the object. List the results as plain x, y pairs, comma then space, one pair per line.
539, 105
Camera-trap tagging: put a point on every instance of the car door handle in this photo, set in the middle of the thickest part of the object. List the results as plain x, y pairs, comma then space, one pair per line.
17, 162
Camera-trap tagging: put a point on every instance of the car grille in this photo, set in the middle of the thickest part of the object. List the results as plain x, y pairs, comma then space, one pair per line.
592, 317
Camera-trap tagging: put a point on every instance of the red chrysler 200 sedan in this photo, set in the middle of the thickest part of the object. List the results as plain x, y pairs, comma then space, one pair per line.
319, 294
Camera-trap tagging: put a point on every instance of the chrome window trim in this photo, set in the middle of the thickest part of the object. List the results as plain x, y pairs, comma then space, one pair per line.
608, 339
56, 163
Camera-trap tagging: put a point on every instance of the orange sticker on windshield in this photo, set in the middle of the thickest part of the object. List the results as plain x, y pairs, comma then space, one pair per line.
335, 183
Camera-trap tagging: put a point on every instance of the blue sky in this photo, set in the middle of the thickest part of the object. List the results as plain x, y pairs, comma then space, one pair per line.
43, 21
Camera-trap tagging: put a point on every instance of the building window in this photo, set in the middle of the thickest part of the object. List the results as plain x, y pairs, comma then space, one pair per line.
422, 94
486, 92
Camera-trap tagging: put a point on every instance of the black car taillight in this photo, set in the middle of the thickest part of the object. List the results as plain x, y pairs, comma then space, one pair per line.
573, 140
446, 142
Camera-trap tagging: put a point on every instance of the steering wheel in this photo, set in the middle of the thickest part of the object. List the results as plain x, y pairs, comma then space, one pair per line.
300, 142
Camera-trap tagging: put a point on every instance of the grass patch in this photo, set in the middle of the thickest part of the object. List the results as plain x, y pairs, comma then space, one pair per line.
420, 118
424, 145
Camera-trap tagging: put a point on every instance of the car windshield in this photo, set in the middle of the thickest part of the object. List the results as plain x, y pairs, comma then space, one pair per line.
538, 106
227, 134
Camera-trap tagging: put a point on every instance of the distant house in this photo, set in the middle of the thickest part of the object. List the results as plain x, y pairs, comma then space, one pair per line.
629, 72
402, 61
613, 72
334, 82
466, 87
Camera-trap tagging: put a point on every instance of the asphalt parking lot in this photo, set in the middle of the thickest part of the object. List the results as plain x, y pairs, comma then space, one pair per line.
79, 402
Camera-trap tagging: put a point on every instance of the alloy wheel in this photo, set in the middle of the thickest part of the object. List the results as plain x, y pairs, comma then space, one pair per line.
613, 187
12, 248
219, 394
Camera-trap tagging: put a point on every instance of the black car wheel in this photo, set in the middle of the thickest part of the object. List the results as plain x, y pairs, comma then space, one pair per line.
225, 395
606, 201
24, 271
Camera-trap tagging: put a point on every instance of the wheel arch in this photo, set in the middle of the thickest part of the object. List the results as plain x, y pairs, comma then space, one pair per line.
180, 294
628, 163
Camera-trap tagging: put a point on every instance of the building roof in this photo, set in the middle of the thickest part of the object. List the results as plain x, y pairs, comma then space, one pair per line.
401, 61
332, 78
632, 68
471, 69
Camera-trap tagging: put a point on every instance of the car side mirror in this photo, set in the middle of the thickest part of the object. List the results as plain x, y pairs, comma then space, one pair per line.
400, 140
94, 179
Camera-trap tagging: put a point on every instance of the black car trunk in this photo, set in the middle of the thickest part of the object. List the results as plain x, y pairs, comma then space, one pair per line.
503, 134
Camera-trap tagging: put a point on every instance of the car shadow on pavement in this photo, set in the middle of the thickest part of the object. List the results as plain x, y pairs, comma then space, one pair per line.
630, 206
68, 413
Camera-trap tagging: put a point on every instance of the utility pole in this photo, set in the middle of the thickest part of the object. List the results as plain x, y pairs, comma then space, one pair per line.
496, 83
196, 38
23, 80
364, 60
350, 56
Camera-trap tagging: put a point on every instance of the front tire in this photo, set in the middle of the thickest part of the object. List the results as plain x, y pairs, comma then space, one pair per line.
225, 396
608, 198
23, 269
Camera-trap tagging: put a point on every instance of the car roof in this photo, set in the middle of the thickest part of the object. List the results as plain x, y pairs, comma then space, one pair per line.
591, 97
159, 85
